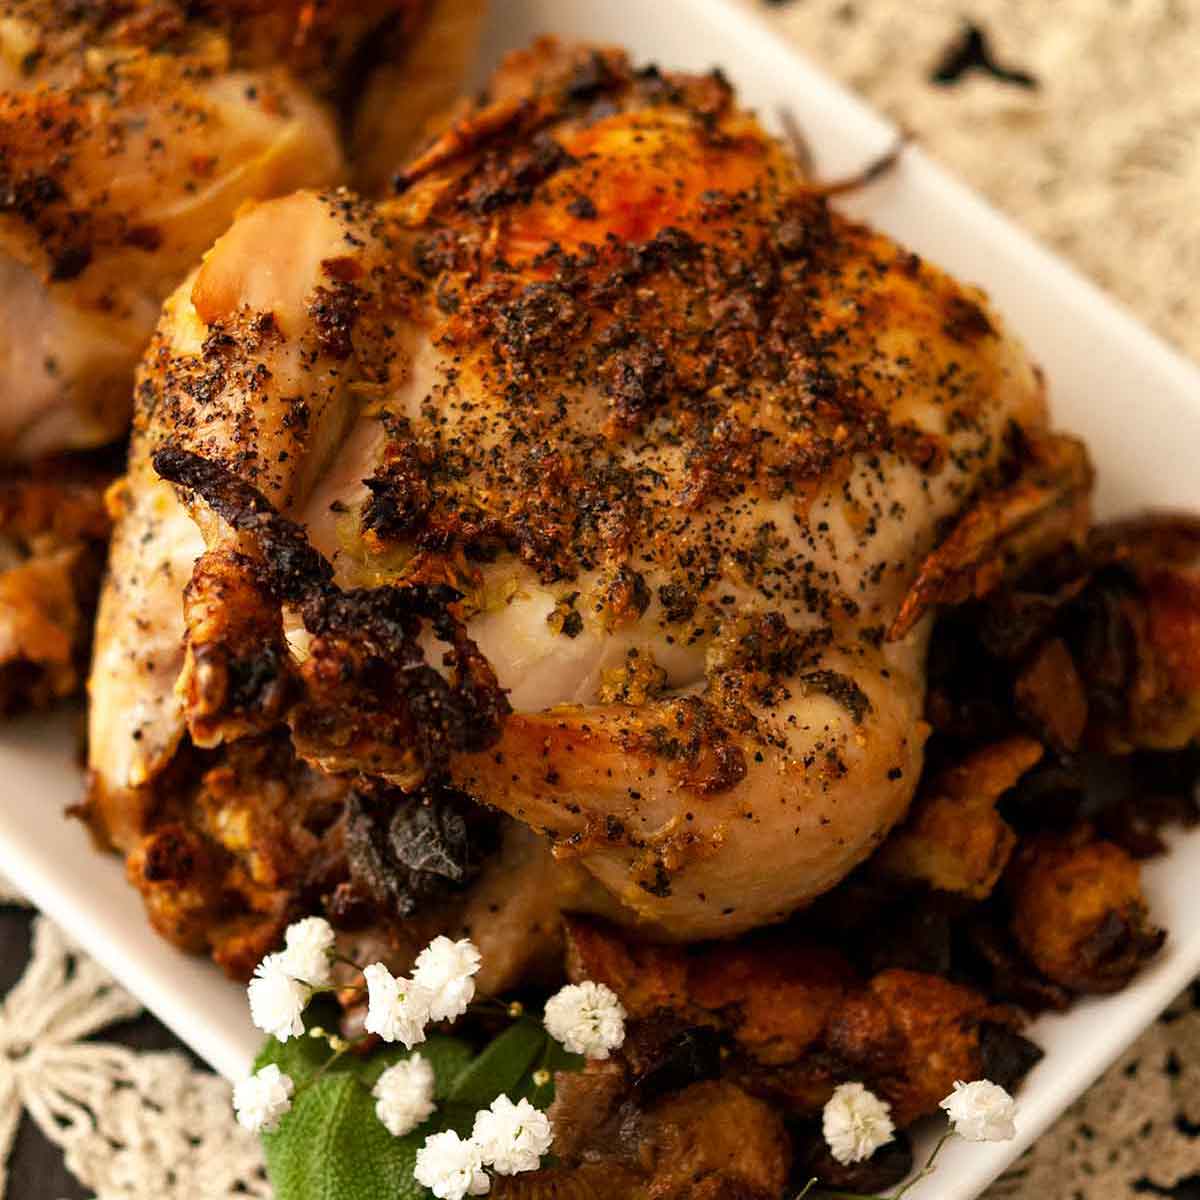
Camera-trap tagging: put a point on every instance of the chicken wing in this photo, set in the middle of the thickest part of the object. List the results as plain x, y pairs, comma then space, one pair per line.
589, 473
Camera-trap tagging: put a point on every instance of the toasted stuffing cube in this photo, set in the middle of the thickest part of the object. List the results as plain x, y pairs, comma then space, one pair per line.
53, 528
780, 994
954, 839
911, 1035
179, 874
646, 977
1079, 913
712, 1140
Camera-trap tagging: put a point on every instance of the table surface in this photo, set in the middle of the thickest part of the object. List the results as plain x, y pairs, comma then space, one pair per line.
1082, 120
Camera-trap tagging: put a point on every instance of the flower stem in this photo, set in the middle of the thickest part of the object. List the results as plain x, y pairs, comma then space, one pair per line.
498, 1008
821, 1193
330, 1061
927, 1169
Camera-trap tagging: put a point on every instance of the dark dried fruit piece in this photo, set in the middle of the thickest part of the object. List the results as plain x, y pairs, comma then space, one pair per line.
684, 1058
1007, 1056
1051, 694
884, 1169
405, 850
1007, 973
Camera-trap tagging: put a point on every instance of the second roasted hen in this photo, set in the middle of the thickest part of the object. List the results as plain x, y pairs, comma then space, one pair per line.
593, 476
130, 133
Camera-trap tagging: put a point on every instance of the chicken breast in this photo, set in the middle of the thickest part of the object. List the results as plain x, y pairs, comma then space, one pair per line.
589, 474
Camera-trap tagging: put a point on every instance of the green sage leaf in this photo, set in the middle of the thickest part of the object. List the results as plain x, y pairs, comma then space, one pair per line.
503, 1066
331, 1146
552, 1059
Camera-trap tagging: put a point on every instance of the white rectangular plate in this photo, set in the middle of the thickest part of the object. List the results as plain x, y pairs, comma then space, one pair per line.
1136, 402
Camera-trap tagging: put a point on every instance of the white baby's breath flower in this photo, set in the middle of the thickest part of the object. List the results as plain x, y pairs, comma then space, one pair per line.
587, 1018
277, 1001
512, 1137
397, 1008
404, 1095
447, 969
450, 1167
261, 1099
856, 1123
309, 947
981, 1111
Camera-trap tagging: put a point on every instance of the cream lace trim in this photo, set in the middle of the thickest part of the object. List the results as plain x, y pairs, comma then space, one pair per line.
131, 1126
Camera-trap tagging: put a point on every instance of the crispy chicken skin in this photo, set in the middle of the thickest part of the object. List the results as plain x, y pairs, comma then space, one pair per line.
589, 472
130, 134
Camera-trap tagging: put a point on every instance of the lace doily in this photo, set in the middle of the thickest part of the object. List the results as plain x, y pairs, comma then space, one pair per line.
131, 1126
1138, 1125
1101, 160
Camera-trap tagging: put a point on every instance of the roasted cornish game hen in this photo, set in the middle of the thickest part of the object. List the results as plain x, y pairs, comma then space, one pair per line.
564, 533
588, 476
130, 133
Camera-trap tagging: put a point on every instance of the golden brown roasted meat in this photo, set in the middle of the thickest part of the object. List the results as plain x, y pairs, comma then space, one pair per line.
130, 134
590, 471
1048, 505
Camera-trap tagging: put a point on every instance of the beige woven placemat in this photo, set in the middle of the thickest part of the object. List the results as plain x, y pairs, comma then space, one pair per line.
1101, 159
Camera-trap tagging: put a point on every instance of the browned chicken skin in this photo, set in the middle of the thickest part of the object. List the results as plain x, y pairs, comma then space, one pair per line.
590, 473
